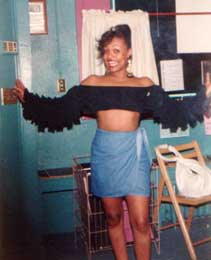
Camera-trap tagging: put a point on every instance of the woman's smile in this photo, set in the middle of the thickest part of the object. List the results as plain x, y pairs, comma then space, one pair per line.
116, 55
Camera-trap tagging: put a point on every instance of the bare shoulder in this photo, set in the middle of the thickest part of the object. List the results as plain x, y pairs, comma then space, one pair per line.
91, 80
145, 82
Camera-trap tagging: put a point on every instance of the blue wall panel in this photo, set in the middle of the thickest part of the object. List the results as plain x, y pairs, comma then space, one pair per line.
10, 184
54, 56
31, 227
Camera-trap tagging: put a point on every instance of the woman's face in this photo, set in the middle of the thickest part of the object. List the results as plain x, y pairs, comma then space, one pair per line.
116, 54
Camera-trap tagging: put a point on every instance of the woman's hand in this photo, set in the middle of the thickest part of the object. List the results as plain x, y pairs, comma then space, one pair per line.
208, 85
19, 90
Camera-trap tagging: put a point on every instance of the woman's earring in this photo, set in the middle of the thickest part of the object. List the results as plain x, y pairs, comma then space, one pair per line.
129, 68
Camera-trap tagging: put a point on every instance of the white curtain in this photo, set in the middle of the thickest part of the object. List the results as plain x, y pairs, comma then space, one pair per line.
96, 22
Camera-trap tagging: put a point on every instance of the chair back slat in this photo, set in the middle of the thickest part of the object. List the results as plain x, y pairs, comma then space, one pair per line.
190, 151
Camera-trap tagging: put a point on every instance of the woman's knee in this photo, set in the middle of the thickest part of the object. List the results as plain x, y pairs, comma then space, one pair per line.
113, 211
113, 219
140, 225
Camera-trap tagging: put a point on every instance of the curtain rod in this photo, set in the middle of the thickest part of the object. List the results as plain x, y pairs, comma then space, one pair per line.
175, 14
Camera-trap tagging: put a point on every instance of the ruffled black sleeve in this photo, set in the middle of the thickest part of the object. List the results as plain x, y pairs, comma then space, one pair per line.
173, 113
55, 114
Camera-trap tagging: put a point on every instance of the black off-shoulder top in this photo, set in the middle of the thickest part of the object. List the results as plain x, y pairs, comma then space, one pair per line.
55, 114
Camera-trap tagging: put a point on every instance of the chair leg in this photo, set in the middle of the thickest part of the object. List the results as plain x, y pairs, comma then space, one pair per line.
190, 217
159, 196
184, 229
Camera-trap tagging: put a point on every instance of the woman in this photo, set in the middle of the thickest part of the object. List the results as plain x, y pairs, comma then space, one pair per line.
120, 160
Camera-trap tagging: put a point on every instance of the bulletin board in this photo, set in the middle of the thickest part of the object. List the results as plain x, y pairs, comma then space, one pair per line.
164, 36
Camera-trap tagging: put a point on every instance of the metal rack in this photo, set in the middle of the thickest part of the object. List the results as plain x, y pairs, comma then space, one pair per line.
90, 224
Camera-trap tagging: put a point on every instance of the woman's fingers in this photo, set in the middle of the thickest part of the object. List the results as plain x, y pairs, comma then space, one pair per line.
19, 90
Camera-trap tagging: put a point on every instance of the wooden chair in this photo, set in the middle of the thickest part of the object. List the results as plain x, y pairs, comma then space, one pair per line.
168, 194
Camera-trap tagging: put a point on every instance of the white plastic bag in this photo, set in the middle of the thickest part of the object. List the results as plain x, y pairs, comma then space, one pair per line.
192, 179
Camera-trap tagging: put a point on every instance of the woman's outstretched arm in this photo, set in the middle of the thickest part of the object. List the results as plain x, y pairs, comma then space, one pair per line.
53, 114
173, 113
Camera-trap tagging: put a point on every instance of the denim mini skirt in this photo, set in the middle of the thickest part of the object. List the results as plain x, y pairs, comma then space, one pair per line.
120, 163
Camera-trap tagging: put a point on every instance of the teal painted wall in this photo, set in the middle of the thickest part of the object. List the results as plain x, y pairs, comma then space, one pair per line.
20, 203
16, 221
54, 56
196, 133
28, 134
10, 187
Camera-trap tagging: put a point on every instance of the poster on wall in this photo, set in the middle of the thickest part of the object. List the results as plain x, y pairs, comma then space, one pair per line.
193, 30
205, 71
207, 125
37, 17
166, 133
206, 76
172, 77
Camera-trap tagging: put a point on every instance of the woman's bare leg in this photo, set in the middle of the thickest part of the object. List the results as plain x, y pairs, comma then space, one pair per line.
138, 208
114, 214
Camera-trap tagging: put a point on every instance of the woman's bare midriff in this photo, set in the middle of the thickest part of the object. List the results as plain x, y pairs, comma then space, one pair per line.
118, 120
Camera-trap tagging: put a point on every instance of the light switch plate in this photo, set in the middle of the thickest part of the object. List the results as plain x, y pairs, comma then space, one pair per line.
8, 96
61, 85
10, 46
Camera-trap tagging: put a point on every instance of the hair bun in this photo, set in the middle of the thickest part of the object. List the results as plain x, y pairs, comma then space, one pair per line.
113, 29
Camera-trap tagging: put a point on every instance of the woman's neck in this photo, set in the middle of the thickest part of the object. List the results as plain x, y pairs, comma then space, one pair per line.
118, 76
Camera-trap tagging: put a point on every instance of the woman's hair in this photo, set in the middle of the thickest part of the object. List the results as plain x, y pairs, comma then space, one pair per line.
120, 31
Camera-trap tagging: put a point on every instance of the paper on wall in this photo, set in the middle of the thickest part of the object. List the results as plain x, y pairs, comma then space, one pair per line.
207, 125
172, 77
166, 133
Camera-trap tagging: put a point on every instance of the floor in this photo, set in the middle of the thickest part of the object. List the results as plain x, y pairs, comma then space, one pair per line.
172, 247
